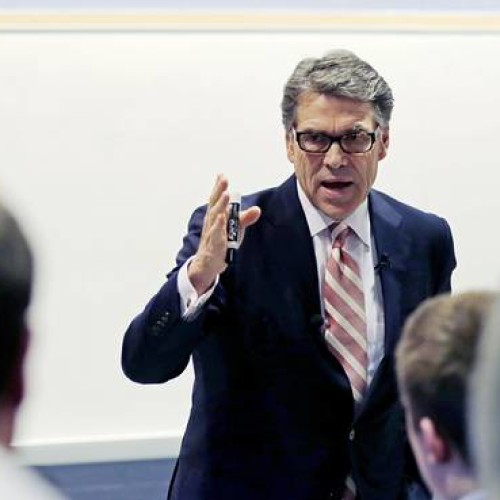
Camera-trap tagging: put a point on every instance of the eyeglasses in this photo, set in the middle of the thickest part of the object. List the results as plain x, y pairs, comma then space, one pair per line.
355, 142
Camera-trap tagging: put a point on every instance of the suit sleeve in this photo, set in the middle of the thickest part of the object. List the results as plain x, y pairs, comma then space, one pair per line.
158, 343
444, 258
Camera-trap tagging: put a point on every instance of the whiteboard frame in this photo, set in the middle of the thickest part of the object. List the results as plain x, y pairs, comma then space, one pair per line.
291, 21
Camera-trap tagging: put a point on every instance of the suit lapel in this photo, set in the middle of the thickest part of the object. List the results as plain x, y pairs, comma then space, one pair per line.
391, 242
294, 262
292, 255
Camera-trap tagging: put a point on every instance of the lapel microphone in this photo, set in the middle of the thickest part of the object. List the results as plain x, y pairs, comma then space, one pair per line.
317, 323
384, 262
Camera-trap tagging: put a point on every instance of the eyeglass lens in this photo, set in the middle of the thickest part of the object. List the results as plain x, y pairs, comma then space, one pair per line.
354, 142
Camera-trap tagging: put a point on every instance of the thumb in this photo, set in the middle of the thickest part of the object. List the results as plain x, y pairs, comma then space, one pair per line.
249, 216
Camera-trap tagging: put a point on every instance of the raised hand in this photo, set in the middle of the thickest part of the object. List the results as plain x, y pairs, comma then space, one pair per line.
209, 260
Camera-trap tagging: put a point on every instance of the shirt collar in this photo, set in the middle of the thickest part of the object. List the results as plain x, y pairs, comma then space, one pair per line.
317, 221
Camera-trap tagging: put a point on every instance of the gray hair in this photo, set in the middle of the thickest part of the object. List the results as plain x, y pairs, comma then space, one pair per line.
338, 73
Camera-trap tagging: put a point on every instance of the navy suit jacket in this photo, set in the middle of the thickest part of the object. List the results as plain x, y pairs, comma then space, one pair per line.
272, 410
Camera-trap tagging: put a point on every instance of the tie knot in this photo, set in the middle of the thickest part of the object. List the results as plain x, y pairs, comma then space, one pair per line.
341, 237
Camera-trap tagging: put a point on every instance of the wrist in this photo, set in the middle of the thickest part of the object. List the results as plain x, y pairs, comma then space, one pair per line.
201, 279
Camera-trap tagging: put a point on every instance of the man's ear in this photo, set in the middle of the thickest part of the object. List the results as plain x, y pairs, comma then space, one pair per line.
384, 143
290, 150
435, 445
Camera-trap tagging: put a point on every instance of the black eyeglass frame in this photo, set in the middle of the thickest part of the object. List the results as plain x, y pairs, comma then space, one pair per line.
338, 139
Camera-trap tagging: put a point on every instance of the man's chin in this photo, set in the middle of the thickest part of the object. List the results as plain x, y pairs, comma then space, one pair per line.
337, 212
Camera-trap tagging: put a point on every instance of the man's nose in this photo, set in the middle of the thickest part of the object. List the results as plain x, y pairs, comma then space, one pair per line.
334, 157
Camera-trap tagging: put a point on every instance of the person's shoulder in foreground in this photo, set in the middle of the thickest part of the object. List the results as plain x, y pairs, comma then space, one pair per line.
434, 362
16, 274
17, 482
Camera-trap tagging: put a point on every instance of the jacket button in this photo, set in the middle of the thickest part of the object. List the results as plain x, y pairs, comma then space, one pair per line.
352, 435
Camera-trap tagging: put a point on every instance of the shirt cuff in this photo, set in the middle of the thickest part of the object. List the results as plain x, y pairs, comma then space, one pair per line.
191, 303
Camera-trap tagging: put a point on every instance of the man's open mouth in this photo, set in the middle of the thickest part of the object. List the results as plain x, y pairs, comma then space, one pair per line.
336, 184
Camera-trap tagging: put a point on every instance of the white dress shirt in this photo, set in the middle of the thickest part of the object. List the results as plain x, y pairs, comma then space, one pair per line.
361, 248
191, 303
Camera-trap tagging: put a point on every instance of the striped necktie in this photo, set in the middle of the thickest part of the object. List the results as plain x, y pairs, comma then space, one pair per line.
345, 314
345, 332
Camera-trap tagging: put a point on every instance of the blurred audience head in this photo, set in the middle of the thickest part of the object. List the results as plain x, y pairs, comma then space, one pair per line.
434, 363
16, 271
485, 405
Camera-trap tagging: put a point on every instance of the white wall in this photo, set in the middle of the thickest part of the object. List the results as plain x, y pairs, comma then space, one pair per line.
109, 140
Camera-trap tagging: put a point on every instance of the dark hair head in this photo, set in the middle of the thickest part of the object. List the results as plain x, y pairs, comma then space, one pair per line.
16, 273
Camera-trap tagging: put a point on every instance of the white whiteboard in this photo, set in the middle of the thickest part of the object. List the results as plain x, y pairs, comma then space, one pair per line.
107, 143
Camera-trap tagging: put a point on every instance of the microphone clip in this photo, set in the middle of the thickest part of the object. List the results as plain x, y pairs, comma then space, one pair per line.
384, 262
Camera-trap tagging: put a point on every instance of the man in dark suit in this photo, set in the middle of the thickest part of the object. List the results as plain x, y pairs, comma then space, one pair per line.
275, 413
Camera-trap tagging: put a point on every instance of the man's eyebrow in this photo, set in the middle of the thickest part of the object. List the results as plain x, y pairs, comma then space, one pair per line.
355, 128
312, 130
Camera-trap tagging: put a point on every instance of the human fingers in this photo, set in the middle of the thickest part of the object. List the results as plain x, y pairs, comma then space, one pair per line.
209, 262
218, 209
250, 216
219, 187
